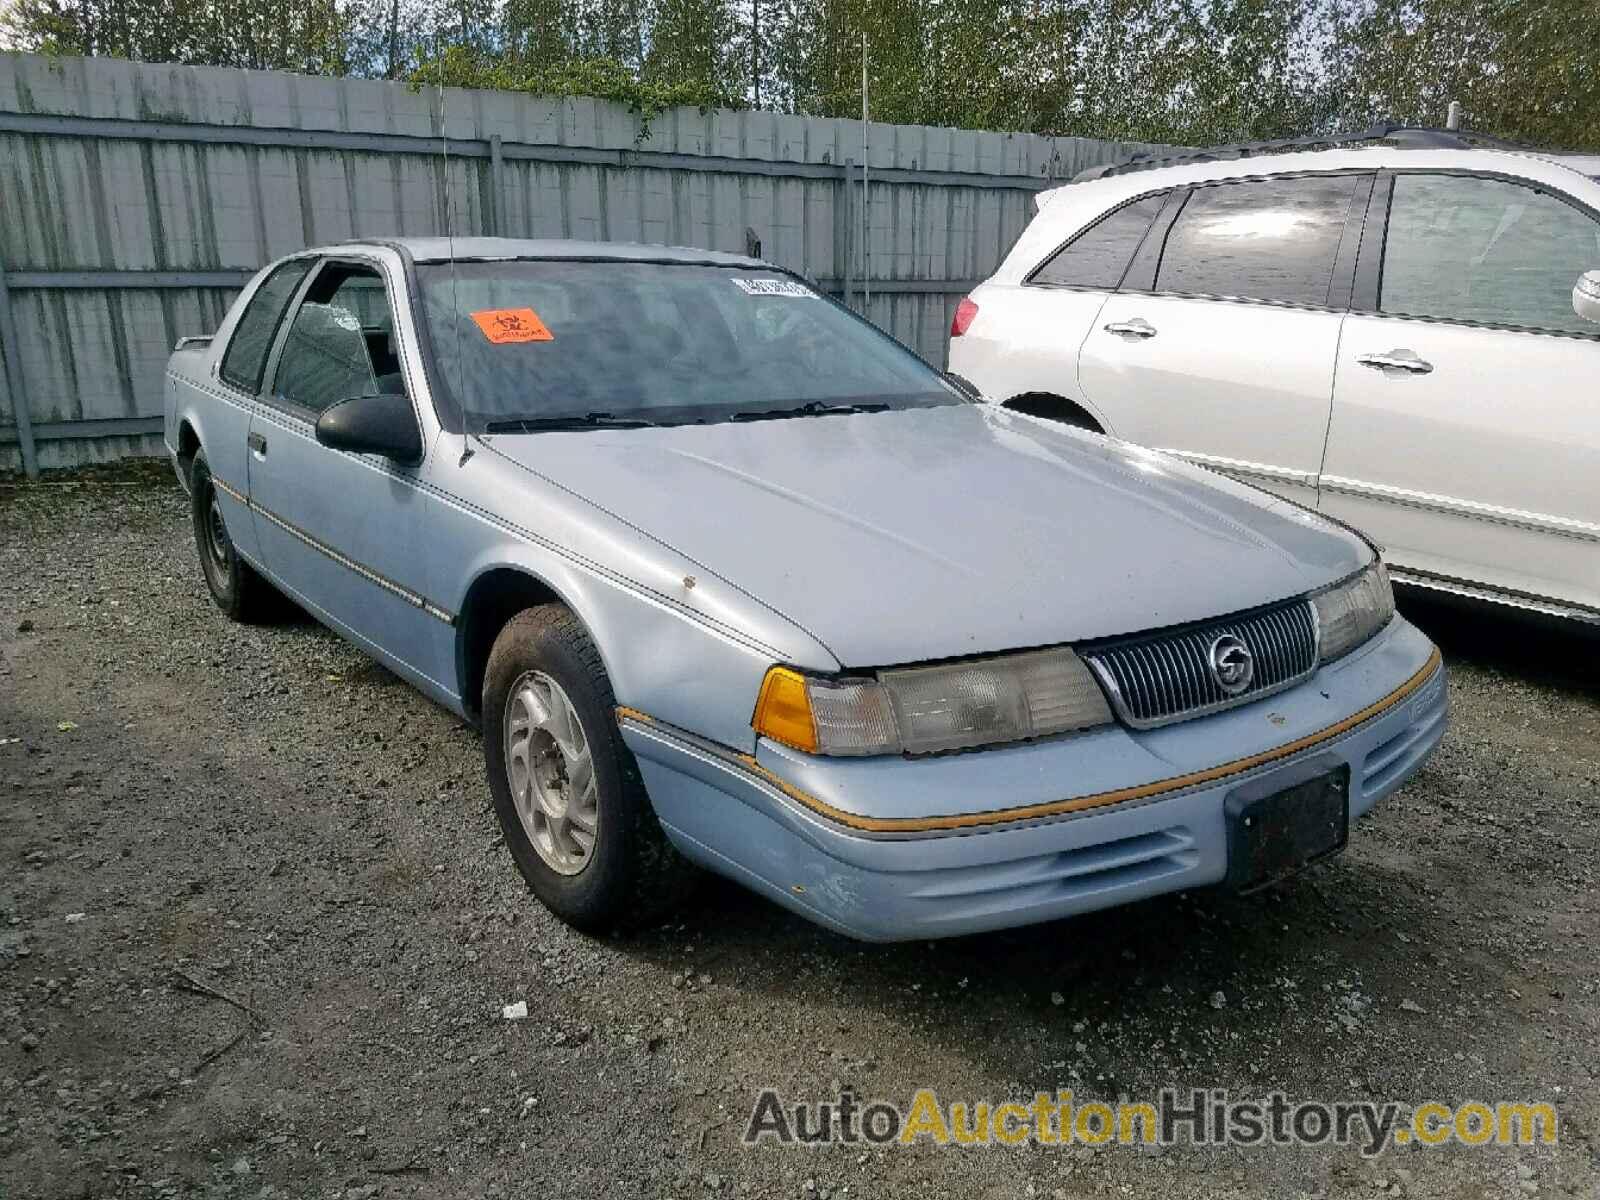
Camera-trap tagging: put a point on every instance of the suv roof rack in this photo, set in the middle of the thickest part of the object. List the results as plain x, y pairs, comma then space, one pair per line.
1414, 136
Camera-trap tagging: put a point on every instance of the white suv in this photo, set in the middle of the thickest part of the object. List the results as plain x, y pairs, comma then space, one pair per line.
1404, 336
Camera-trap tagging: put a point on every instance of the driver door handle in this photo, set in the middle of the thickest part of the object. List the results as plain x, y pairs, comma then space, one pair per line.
257, 444
1396, 360
1138, 327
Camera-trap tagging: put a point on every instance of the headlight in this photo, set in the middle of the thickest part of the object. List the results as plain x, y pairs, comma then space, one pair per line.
921, 710
1350, 612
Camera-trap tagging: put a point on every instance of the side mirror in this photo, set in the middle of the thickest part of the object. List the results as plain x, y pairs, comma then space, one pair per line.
384, 424
1586, 296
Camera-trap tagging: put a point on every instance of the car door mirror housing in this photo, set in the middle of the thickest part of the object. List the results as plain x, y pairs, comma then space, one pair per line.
383, 424
1586, 296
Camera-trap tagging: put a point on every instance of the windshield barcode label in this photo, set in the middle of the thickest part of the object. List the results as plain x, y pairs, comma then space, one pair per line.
772, 287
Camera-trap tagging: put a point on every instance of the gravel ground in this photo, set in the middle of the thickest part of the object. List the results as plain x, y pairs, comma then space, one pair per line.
262, 814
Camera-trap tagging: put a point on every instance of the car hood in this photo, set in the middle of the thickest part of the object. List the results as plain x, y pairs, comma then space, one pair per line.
932, 533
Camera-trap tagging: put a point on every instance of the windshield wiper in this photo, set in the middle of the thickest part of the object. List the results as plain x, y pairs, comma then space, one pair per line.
812, 408
590, 420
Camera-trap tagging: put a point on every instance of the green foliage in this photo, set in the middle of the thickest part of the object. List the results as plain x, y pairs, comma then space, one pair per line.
1181, 71
1527, 71
695, 41
600, 78
312, 36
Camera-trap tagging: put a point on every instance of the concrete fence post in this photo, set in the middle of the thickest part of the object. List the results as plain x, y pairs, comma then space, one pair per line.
11, 381
497, 186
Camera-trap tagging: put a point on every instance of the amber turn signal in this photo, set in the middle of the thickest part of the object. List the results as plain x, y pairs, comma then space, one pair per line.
783, 710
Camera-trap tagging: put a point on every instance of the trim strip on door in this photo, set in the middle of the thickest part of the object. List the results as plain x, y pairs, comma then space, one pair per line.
229, 491
1549, 606
321, 547
1235, 466
1515, 518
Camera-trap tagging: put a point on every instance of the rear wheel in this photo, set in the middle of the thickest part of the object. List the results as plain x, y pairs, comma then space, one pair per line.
234, 584
566, 788
1054, 408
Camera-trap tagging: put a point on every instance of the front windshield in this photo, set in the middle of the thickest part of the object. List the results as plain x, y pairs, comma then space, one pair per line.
542, 340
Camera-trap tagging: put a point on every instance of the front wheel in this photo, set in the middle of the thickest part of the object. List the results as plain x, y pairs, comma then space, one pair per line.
566, 788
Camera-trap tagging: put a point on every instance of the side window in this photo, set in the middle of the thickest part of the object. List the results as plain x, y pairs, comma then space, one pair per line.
341, 341
1270, 239
1486, 251
1098, 257
252, 336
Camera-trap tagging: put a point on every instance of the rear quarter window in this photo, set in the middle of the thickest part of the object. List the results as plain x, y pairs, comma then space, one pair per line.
1099, 256
246, 355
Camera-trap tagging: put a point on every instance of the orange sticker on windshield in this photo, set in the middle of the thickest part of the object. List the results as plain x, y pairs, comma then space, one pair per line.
502, 325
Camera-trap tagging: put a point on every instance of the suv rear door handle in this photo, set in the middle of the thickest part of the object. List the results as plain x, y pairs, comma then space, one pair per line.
1396, 360
257, 443
1138, 327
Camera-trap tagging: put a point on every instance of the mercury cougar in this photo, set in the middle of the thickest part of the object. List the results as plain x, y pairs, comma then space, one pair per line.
731, 580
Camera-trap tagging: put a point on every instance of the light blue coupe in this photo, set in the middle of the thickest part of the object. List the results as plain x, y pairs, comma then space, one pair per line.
729, 578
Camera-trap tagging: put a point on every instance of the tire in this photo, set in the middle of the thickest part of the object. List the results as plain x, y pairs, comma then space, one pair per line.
1055, 408
234, 584
595, 856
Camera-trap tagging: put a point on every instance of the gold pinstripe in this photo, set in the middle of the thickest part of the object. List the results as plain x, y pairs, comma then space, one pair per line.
344, 560
228, 491
1053, 808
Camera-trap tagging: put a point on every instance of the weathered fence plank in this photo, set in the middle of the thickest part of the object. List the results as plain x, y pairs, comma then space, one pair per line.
136, 198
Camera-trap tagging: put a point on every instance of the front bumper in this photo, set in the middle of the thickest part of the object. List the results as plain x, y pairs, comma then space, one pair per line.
886, 849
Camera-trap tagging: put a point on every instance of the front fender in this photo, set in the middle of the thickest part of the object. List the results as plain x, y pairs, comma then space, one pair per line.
684, 646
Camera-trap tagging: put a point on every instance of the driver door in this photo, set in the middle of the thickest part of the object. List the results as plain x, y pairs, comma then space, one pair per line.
339, 529
1463, 435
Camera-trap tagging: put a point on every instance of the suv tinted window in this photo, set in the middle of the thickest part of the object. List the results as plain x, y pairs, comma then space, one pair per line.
1270, 239
1485, 251
340, 343
1098, 257
252, 336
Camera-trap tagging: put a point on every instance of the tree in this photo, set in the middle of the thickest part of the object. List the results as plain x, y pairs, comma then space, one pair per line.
314, 36
1176, 71
695, 41
1523, 71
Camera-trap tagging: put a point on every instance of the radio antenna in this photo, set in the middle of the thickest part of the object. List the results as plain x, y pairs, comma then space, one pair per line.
866, 200
450, 242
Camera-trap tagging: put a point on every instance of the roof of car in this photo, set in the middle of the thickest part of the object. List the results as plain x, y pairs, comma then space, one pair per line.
438, 249
1198, 169
1072, 206
1589, 164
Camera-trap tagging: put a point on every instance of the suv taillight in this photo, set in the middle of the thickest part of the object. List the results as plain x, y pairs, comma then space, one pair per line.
965, 312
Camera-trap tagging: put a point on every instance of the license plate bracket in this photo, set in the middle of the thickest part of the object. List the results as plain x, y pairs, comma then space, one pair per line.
1279, 825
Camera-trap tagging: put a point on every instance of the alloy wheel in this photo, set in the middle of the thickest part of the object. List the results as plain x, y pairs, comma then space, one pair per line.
551, 772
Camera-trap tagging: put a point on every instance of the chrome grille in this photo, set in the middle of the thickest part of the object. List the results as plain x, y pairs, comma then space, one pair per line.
1154, 679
